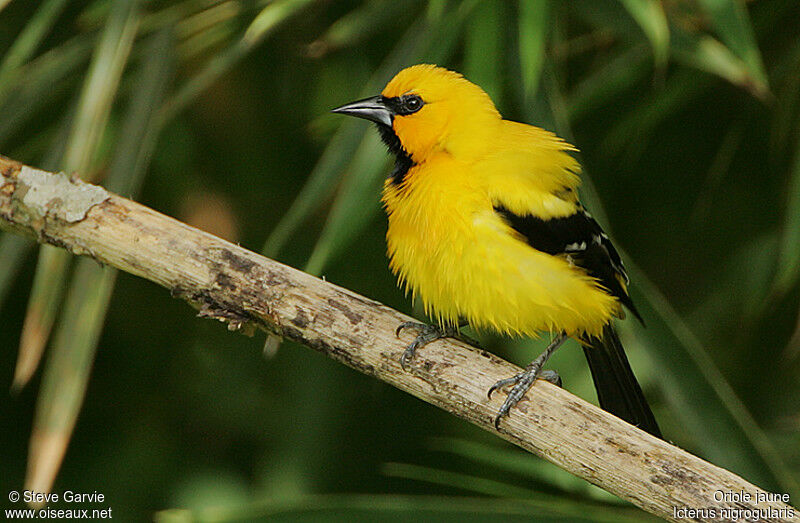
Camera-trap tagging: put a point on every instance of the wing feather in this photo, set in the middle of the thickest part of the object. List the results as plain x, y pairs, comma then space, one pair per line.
580, 239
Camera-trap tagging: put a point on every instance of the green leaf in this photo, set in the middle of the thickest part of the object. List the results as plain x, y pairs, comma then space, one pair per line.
611, 79
488, 487
38, 324
209, 39
141, 126
436, 11
700, 395
100, 87
708, 54
356, 203
67, 372
483, 47
512, 460
649, 111
29, 39
43, 305
340, 150
732, 23
266, 21
359, 24
348, 508
786, 75
349, 214
56, 412
13, 250
89, 121
705, 195
474, 484
442, 37
604, 18
788, 271
31, 89
270, 17
319, 184
650, 16
701, 398
534, 23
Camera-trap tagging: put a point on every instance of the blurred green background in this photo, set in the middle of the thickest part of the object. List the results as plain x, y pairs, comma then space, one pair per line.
216, 112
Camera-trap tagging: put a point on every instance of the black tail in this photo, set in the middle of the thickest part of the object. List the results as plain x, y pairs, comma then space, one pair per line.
617, 389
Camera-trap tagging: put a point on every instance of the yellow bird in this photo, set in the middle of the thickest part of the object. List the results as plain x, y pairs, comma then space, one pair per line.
485, 227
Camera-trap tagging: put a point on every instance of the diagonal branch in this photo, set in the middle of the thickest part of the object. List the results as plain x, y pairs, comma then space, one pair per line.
244, 289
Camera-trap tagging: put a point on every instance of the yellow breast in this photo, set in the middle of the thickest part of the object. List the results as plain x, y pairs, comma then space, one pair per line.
451, 250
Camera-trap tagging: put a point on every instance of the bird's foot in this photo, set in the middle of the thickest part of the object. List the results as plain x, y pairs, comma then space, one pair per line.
551, 376
522, 383
427, 334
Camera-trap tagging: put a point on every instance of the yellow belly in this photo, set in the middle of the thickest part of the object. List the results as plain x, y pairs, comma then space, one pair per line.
452, 251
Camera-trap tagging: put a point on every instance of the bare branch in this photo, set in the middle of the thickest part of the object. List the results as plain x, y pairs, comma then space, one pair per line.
232, 284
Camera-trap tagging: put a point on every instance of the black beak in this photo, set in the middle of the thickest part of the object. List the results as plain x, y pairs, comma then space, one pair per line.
373, 109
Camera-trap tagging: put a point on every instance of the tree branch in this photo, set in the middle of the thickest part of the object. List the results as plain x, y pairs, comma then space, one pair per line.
232, 284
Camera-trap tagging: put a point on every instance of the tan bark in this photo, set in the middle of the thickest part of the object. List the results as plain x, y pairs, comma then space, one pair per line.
244, 289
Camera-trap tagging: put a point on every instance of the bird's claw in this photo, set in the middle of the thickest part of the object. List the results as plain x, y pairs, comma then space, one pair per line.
407, 325
411, 349
522, 383
500, 384
406, 358
427, 334
551, 376
524, 380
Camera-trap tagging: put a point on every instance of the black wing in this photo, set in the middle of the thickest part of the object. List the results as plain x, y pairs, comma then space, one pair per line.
582, 240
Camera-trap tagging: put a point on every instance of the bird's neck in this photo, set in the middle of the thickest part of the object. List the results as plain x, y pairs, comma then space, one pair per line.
403, 161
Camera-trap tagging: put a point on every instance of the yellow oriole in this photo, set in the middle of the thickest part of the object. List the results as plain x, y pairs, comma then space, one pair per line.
485, 227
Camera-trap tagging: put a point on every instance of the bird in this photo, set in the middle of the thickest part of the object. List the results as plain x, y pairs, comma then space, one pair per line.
486, 229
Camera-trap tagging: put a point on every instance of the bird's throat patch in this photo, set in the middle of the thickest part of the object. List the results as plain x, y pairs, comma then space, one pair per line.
402, 160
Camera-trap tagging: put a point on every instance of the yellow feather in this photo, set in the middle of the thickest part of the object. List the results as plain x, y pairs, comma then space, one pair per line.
445, 241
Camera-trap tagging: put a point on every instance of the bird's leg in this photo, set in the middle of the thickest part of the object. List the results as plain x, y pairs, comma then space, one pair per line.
524, 380
551, 376
427, 334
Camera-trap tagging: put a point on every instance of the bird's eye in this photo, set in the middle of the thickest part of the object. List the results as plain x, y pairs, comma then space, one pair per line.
412, 103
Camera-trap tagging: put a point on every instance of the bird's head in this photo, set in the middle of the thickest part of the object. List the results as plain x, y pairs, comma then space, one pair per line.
427, 109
